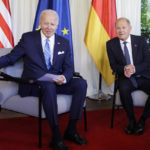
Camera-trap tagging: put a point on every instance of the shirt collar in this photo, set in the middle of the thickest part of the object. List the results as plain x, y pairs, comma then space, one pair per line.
44, 37
128, 40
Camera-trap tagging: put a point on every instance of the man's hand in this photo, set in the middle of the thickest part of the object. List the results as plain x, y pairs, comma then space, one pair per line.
59, 81
129, 70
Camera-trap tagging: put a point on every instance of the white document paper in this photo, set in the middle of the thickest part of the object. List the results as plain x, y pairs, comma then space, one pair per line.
48, 77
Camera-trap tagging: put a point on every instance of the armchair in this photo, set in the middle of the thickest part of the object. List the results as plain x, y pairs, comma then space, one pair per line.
9, 98
139, 99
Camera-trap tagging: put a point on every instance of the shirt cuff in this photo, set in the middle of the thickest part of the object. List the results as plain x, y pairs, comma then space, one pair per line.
65, 81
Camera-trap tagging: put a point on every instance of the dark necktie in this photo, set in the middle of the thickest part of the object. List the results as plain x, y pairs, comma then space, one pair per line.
47, 54
128, 61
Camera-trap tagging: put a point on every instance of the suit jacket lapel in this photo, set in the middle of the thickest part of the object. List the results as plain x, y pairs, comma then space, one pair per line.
134, 48
120, 52
56, 49
39, 48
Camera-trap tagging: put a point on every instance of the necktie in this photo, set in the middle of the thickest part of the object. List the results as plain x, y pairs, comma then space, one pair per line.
128, 61
47, 54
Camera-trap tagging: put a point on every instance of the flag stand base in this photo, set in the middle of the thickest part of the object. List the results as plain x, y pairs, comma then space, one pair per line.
99, 96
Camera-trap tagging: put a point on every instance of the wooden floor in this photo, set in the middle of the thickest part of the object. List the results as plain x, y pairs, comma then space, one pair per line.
91, 105
98, 104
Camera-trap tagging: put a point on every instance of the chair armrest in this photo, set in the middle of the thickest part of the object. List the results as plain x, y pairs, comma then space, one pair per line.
6, 77
77, 74
116, 75
116, 81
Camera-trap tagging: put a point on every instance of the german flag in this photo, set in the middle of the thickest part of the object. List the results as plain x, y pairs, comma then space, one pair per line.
100, 29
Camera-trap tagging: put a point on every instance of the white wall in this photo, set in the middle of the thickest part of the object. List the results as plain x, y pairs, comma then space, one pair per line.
23, 14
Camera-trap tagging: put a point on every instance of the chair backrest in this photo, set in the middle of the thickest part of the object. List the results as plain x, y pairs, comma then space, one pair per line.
8, 89
18, 66
4, 51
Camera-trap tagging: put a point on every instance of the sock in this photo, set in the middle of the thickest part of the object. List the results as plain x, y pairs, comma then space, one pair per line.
56, 134
71, 129
143, 118
132, 118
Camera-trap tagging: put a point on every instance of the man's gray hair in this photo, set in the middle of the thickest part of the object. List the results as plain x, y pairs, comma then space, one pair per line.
51, 12
123, 18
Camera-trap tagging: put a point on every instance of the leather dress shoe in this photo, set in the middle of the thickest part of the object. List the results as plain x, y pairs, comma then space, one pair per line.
76, 138
130, 128
139, 130
58, 146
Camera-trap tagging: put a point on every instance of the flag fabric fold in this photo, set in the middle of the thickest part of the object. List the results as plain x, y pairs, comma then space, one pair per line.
64, 28
42, 5
6, 35
100, 29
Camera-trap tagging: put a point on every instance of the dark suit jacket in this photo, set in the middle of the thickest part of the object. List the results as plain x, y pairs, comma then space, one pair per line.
140, 52
30, 49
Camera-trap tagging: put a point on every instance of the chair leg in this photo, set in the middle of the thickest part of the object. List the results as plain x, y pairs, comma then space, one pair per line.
0, 108
85, 119
113, 105
113, 110
112, 114
40, 123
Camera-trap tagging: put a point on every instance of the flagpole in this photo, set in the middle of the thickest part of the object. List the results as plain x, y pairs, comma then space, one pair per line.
98, 95
101, 94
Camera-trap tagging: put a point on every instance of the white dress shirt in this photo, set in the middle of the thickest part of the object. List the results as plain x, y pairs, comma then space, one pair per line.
129, 46
51, 43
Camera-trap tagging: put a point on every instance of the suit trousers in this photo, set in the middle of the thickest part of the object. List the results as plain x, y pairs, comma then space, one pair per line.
125, 90
76, 87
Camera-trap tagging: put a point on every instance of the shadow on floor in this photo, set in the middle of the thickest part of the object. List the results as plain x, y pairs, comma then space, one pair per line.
98, 104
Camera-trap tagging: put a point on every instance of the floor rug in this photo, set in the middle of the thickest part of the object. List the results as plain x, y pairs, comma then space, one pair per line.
22, 133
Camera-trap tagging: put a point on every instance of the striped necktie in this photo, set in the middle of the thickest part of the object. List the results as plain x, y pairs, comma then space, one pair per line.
47, 54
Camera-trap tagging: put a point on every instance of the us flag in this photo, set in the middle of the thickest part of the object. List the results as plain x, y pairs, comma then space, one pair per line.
6, 35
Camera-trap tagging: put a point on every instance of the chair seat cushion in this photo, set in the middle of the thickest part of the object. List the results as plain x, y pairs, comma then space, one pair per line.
139, 98
29, 105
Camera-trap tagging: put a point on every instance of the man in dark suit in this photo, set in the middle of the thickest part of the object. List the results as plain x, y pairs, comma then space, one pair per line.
32, 48
129, 57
